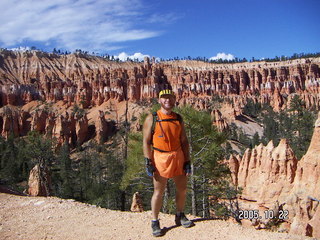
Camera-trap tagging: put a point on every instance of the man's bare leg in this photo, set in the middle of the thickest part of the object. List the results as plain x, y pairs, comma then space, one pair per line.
159, 185
181, 191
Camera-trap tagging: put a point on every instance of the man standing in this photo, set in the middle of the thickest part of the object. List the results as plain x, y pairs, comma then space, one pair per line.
166, 152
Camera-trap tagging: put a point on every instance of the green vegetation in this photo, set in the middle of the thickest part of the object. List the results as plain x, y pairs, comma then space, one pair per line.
78, 111
135, 178
92, 175
206, 154
294, 124
109, 174
13, 169
19, 155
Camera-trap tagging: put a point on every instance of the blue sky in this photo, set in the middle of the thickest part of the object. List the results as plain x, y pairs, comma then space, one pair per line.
163, 28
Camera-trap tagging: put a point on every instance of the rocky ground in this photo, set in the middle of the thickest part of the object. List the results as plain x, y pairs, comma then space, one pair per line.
33, 218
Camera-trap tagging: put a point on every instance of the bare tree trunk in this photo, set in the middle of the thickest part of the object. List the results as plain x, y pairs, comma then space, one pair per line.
127, 130
205, 203
166, 198
126, 139
203, 198
192, 181
123, 200
193, 194
43, 175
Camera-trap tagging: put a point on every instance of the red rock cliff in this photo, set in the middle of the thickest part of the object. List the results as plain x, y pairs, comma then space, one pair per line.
90, 81
273, 176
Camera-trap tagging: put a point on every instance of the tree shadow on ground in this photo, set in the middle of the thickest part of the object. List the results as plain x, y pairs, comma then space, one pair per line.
167, 229
8, 190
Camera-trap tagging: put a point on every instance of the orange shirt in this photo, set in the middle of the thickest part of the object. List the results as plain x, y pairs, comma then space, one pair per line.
167, 133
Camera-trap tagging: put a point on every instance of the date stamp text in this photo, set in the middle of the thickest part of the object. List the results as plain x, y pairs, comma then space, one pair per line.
267, 214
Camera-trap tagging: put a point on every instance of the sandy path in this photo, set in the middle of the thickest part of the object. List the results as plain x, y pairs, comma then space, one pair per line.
33, 218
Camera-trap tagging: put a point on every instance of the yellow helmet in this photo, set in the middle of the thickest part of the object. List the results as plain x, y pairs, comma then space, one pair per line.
165, 92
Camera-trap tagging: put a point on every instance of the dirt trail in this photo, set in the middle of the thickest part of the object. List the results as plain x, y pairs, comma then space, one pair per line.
33, 218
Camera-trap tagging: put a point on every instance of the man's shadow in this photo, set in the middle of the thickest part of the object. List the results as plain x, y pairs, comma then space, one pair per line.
167, 229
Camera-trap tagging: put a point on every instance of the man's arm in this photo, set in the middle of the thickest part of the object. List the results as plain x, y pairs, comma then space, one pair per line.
147, 151
184, 143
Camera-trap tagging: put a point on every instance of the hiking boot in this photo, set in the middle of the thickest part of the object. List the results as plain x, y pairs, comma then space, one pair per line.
181, 219
156, 230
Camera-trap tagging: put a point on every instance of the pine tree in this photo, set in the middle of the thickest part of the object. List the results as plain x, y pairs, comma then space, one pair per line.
271, 128
66, 173
206, 155
135, 178
255, 140
113, 191
40, 150
9, 172
24, 161
302, 124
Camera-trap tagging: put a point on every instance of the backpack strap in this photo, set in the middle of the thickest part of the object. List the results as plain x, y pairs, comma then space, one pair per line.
154, 120
179, 118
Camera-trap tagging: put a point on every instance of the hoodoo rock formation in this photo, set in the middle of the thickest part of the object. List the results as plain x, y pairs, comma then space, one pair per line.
136, 205
67, 128
271, 177
39, 182
90, 81
218, 120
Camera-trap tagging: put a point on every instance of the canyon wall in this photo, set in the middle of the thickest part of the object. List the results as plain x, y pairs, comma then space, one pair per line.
90, 81
272, 178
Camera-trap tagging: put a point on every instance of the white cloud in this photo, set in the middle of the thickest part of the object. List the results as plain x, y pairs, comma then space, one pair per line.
89, 25
124, 56
223, 56
21, 49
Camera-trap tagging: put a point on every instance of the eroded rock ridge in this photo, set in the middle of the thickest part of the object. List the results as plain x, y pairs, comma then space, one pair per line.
271, 177
90, 81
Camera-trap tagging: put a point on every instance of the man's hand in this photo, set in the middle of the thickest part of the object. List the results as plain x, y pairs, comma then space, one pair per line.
150, 169
187, 168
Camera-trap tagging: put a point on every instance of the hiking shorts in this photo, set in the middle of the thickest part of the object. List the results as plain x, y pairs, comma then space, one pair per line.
169, 164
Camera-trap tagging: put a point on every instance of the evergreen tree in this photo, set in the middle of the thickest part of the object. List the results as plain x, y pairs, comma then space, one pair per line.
285, 129
255, 140
271, 128
206, 156
297, 105
110, 171
24, 160
19, 155
65, 181
9, 170
294, 124
40, 150
252, 109
135, 178
302, 126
